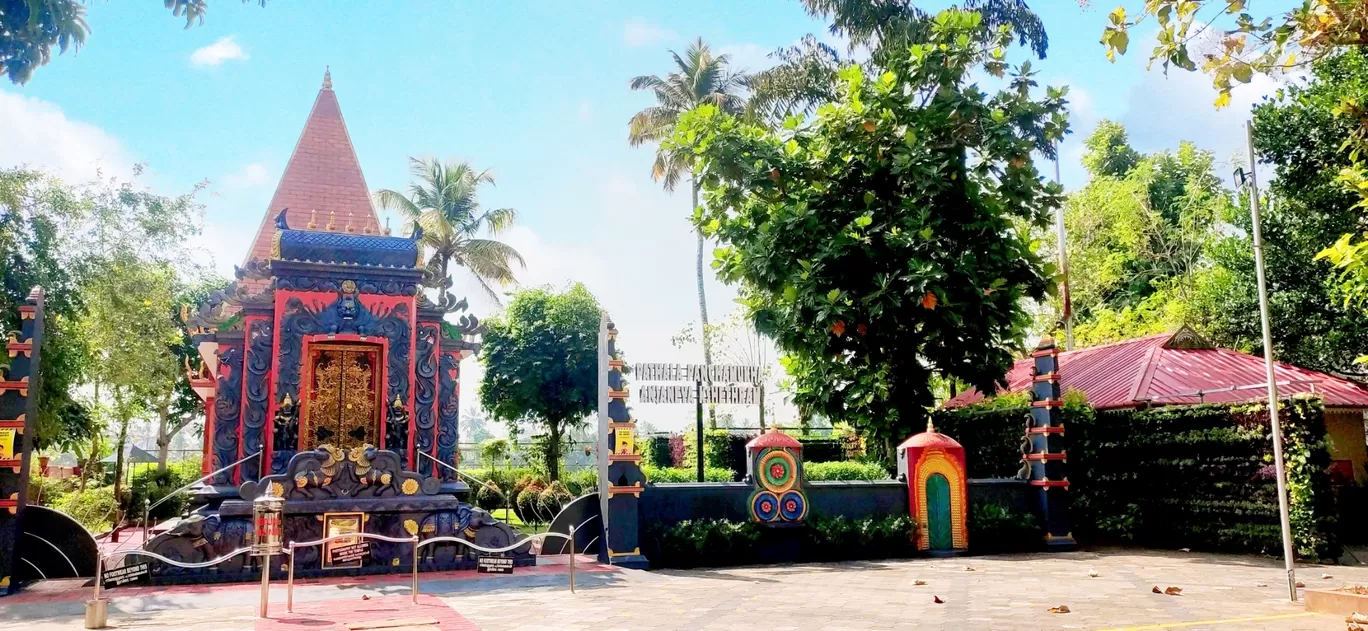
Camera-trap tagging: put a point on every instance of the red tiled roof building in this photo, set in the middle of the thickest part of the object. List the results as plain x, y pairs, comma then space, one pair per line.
1182, 368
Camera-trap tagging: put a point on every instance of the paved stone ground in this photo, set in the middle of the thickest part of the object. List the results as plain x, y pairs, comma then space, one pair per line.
1220, 592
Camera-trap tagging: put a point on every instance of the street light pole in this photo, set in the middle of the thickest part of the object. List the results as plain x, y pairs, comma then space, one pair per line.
1065, 301
1278, 464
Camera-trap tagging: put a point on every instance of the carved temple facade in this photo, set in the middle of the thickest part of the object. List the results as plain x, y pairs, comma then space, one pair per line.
332, 381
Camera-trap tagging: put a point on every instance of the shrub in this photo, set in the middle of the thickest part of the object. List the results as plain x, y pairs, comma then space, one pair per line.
582, 482
998, 528
528, 505
678, 450
93, 507
826, 471
842, 539
154, 485
489, 497
681, 474
706, 543
48, 491
553, 499
658, 452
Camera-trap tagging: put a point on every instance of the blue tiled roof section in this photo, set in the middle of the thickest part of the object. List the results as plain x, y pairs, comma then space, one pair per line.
348, 249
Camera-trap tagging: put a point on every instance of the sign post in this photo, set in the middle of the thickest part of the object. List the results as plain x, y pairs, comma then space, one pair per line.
698, 408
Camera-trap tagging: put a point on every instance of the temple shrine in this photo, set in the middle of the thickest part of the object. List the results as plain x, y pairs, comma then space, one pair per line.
333, 382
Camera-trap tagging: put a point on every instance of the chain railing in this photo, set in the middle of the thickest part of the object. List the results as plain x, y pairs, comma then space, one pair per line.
97, 610
294, 545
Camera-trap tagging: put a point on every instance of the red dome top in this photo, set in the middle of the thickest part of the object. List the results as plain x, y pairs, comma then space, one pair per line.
774, 438
929, 439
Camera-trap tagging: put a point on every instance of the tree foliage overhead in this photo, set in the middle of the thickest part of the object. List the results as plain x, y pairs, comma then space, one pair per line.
869, 243
1139, 237
1255, 42
541, 363
806, 75
29, 29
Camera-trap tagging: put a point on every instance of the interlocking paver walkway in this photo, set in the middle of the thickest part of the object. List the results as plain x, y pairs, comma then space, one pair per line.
1220, 592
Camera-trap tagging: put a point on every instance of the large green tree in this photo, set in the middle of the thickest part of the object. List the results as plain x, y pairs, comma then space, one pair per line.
541, 364
882, 243
37, 215
805, 76
700, 78
444, 202
29, 29
1140, 234
1301, 135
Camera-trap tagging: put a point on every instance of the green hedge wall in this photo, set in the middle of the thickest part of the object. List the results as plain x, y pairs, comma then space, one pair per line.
1180, 476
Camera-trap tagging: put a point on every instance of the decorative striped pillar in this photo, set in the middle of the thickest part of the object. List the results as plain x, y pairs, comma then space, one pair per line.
1045, 455
621, 478
18, 412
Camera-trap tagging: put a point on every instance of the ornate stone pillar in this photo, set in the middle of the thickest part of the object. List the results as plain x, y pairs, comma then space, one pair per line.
1045, 455
18, 413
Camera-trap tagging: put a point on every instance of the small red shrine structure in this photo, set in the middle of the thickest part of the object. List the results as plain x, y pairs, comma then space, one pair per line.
933, 466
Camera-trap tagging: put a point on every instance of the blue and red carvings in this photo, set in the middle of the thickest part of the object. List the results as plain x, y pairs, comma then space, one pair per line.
1045, 463
775, 462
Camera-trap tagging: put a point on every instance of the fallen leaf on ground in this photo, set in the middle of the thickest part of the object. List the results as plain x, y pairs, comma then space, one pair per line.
1261, 584
1301, 584
1156, 590
936, 599
968, 569
365, 597
1060, 609
1093, 573
1173, 591
1326, 576
918, 582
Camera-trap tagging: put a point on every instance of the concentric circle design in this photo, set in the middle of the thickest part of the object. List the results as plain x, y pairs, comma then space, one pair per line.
792, 506
778, 471
764, 506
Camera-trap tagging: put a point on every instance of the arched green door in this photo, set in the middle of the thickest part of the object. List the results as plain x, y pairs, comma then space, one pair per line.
938, 526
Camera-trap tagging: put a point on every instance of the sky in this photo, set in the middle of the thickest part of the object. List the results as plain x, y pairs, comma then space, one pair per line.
536, 91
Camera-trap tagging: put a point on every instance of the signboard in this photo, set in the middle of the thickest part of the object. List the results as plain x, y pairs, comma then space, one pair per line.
494, 564
126, 574
351, 553
7, 443
737, 395
626, 441
341, 524
716, 373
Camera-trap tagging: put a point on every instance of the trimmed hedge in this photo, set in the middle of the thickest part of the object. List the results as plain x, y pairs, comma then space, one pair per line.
1198, 476
721, 542
827, 471
681, 474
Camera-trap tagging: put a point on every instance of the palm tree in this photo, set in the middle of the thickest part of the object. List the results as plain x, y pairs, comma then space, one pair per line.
701, 78
443, 201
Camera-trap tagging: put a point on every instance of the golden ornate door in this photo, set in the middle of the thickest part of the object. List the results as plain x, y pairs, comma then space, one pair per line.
343, 406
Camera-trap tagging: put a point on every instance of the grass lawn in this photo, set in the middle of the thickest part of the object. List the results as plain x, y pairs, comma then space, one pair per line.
509, 517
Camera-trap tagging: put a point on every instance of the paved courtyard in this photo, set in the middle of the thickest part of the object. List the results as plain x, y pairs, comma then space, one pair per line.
1219, 592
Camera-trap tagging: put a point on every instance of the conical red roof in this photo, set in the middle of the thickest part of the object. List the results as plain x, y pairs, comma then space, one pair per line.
323, 175
929, 439
774, 438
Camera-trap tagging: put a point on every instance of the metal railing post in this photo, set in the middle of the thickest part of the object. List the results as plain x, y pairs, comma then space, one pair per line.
265, 586
97, 609
572, 558
415, 569
289, 582
147, 512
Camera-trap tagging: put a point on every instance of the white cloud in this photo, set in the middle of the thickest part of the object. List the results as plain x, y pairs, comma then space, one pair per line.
224, 49
38, 134
640, 32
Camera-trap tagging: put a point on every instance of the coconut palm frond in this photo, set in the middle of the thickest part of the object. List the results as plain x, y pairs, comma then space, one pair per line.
492, 250
394, 200
652, 124
499, 219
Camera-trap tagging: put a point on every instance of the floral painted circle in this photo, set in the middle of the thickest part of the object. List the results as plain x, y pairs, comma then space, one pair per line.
764, 506
778, 471
792, 506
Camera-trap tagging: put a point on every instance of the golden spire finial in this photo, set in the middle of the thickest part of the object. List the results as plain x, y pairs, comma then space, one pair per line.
387, 229
331, 227
327, 78
313, 219
366, 229
349, 227
397, 401
287, 400
930, 427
